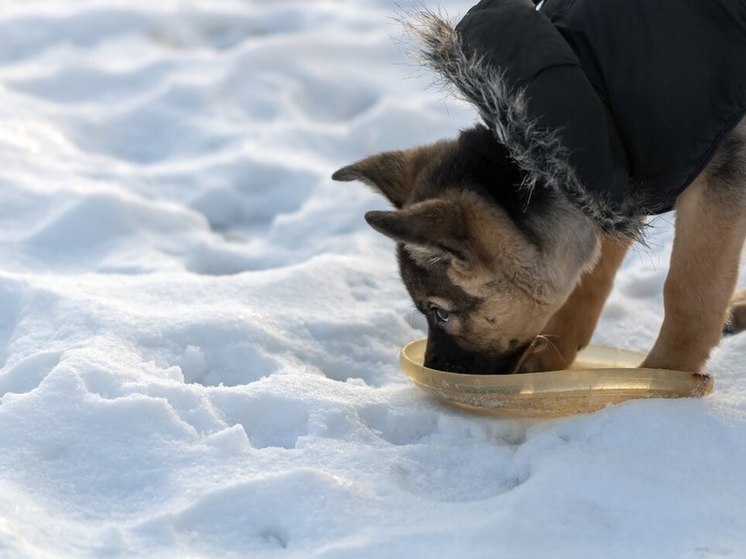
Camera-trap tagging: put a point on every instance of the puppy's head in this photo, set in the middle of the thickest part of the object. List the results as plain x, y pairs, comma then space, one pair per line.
486, 261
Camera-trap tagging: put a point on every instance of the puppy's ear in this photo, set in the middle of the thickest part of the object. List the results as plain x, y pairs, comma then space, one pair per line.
431, 231
392, 173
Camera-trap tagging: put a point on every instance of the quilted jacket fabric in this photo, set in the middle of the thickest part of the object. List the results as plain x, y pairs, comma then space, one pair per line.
641, 92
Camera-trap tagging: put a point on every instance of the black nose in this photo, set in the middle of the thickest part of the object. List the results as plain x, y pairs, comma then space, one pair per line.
448, 356
442, 363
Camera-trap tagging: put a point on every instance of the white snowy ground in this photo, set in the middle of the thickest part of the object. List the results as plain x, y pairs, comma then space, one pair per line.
199, 333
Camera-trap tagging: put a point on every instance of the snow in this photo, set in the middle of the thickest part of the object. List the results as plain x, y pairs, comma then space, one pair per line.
200, 333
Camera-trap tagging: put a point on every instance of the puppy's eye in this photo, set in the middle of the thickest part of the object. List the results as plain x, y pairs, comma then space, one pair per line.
441, 315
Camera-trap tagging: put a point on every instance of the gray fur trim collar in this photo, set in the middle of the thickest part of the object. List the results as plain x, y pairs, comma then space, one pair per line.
536, 150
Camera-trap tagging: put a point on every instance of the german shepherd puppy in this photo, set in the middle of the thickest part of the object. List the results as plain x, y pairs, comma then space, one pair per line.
512, 279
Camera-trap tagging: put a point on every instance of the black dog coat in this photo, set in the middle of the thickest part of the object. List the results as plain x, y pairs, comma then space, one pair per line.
621, 103
672, 73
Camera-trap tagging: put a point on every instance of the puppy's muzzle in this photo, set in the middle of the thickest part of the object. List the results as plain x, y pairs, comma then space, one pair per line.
447, 356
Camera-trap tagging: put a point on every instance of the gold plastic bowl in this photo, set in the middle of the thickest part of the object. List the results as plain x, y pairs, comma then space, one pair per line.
598, 377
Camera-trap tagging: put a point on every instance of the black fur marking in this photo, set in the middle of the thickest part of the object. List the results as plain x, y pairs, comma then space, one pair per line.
484, 166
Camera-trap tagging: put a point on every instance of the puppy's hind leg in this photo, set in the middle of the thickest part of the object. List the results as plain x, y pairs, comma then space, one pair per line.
710, 231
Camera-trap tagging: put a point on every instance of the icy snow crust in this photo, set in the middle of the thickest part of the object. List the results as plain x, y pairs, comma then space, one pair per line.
199, 333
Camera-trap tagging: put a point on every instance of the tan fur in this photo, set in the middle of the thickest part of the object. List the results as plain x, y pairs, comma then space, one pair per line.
394, 172
570, 329
503, 253
710, 232
506, 254
521, 285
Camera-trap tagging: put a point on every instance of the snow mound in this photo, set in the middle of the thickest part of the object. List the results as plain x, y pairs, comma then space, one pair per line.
198, 351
